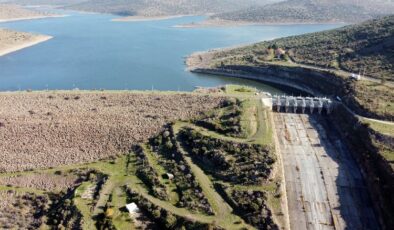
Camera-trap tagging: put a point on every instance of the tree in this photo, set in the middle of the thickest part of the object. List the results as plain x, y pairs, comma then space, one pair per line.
170, 220
109, 213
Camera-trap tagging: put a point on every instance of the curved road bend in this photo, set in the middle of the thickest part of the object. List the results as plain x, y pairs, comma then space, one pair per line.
325, 189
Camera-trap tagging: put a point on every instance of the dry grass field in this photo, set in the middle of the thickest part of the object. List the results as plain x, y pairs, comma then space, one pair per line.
45, 182
48, 129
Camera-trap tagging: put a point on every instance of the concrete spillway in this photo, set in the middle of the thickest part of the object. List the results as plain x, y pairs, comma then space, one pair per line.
290, 104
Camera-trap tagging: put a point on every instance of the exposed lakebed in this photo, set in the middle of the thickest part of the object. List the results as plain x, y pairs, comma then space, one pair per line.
89, 51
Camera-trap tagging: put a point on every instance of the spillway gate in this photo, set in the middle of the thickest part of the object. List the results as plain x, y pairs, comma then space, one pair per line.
291, 104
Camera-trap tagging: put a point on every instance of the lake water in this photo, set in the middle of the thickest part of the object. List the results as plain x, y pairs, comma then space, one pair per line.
89, 51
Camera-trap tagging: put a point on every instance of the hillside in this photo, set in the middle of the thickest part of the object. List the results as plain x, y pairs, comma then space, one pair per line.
163, 7
368, 46
309, 11
322, 61
10, 12
91, 153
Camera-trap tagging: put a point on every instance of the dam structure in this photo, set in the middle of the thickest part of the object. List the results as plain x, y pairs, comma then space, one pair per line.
291, 104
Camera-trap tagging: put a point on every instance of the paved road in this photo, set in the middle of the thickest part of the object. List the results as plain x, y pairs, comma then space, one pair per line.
324, 186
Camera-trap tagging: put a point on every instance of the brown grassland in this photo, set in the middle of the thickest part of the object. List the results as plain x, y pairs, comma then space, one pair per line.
48, 129
45, 182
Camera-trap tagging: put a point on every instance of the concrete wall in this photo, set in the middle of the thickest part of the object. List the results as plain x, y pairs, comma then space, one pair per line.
312, 82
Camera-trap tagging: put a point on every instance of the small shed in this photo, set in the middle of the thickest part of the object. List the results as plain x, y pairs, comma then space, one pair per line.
132, 208
169, 176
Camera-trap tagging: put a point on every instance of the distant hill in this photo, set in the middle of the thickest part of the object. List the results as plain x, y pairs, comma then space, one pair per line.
164, 7
311, 11
45, 2
14, 12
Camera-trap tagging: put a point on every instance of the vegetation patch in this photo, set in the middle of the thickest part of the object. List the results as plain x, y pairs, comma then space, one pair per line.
22, 210
374, 97
165, 218
148, 174
239, 163
188, 189
226, 120
250, 205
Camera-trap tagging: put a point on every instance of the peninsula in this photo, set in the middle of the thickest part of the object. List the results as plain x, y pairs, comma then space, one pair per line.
11, 41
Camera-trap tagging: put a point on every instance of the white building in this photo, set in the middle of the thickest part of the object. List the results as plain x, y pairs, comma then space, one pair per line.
355, 76
132, 208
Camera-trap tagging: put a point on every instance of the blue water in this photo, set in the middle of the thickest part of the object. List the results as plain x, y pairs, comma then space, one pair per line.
89, 51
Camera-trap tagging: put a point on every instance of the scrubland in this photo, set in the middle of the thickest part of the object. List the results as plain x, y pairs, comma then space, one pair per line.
21, 210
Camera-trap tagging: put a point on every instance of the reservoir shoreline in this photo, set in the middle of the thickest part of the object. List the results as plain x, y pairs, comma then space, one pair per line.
31, 18
32, 42
146, 18
228, 23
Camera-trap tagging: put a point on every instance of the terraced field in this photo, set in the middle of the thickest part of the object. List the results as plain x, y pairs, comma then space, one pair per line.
169, 178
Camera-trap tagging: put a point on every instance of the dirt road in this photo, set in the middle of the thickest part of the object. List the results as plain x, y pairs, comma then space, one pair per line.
325, 189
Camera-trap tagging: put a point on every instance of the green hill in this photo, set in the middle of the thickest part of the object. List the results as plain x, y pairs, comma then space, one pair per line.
368, 47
